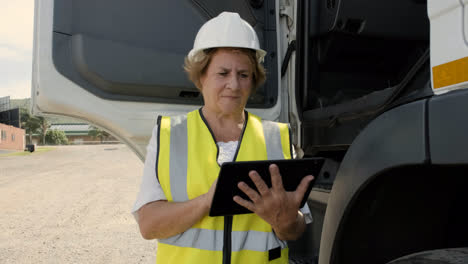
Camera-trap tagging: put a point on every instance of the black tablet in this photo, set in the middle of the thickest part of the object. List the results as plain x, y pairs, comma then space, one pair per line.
231, 173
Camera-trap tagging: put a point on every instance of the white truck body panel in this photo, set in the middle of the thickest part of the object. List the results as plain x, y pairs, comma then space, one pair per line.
448, 39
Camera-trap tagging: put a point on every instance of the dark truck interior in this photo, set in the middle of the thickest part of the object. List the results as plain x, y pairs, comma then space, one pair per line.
354, 60
357, 58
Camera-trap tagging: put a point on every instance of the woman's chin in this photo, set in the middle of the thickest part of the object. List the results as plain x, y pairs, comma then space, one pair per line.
231, 109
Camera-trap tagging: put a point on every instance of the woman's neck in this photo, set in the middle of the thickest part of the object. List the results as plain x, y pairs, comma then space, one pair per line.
225, 127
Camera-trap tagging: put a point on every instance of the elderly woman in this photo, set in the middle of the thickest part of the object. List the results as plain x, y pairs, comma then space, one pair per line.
185, 152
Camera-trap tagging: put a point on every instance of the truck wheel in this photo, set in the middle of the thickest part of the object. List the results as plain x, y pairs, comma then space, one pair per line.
438, 256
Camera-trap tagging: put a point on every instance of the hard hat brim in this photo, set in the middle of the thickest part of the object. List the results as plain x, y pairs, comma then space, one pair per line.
194, 53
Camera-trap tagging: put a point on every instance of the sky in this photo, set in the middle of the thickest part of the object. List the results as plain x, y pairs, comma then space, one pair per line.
16, 41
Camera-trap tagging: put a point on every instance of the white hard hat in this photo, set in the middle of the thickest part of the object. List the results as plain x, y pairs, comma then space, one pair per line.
226, 30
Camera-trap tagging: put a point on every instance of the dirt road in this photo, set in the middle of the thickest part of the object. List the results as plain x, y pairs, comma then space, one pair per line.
71, 205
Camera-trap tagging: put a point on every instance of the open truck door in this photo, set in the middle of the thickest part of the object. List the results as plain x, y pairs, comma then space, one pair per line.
119, 64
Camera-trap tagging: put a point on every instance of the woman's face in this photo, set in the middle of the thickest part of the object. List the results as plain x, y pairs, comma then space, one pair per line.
227, 82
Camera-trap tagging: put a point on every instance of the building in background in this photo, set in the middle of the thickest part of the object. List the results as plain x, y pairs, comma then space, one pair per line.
12, 137
4, 103
9, 115
77, 134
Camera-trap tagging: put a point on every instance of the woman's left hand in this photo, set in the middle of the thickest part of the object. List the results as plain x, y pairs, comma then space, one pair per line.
274, 205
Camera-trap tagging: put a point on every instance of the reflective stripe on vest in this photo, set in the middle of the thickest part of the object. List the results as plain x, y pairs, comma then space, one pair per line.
213, 240
189, 172
272, 135
177, 163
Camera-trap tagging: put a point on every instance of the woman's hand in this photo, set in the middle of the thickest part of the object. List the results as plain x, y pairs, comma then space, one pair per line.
275, 205
209, 196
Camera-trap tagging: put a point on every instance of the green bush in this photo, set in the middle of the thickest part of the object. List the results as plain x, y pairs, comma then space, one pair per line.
56, 137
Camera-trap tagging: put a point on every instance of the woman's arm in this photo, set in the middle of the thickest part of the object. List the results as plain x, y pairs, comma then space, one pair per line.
158, 218
163, 219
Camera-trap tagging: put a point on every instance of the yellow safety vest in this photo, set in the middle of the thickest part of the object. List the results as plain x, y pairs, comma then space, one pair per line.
186, 167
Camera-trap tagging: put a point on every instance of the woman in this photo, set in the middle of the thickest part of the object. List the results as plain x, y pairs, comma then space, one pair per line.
185, 153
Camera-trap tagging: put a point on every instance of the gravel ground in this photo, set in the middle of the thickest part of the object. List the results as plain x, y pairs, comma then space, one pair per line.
71, 205
6, 151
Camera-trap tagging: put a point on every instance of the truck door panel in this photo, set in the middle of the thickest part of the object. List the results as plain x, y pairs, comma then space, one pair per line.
465, 20
117, 47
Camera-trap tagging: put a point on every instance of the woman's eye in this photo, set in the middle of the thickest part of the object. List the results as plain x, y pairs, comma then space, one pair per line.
243, 75
223, 73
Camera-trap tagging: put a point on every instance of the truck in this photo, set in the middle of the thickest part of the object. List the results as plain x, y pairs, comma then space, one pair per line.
377, 88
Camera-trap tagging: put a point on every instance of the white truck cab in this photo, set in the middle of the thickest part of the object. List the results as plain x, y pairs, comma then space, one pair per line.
375, 87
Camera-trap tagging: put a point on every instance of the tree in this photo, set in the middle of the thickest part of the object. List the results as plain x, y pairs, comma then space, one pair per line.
56, 137
44, 126
30, 123
98, 133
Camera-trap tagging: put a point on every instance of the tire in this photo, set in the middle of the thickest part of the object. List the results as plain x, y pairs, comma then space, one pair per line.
438, 256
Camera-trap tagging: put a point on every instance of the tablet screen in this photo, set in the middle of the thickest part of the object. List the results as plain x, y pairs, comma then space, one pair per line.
231, 173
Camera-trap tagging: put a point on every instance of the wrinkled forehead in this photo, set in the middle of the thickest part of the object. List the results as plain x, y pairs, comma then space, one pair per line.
246, 53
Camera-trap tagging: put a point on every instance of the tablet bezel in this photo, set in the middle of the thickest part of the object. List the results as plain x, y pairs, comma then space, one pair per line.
292, 171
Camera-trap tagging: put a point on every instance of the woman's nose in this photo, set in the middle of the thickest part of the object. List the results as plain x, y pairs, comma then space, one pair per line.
233, 82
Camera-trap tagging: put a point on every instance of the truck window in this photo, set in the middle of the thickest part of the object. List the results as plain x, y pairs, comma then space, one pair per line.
357, 60
358, 51
134, 51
